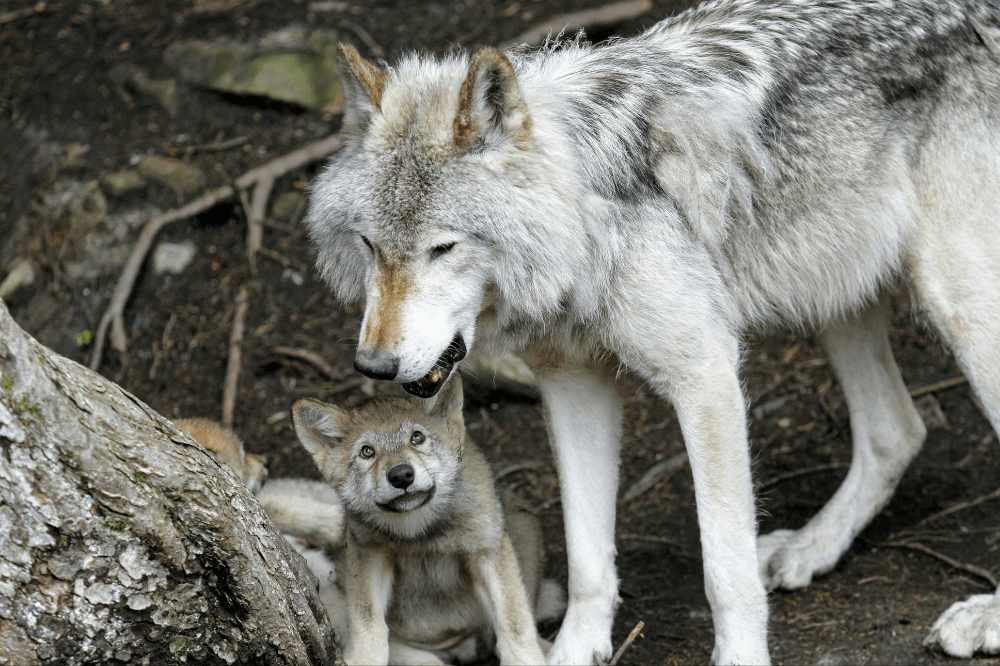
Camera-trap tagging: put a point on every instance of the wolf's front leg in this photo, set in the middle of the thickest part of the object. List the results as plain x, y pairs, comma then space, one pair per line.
369, 587
498, 585
584, 418
709, 403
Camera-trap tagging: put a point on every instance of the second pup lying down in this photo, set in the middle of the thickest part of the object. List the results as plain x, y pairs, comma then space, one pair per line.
434, 565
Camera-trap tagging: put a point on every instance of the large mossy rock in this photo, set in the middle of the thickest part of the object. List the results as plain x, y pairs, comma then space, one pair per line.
291, 65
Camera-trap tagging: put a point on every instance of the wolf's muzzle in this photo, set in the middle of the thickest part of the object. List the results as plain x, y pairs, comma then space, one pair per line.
428, 385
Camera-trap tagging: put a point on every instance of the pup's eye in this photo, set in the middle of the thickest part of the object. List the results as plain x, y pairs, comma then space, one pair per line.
368, 243
367, 451
441, 249
417, 438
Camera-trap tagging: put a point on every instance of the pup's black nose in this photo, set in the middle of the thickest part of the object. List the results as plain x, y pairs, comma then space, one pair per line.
400, 476
376, 364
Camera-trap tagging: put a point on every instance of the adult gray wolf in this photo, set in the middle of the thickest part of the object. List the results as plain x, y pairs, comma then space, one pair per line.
435, 566
641, 205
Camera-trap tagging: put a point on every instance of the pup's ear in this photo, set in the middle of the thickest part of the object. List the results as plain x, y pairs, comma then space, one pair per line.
447, 404
321, 429
363, 85
490, 106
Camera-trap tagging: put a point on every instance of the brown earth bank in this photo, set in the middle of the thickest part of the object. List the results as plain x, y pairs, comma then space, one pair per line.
73, 110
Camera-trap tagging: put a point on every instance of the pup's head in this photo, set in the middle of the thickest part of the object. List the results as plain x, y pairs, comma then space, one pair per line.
394, 461
227, 447
438, 197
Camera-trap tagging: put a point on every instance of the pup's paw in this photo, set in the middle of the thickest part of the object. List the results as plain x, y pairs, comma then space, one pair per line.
784, 563
968, 626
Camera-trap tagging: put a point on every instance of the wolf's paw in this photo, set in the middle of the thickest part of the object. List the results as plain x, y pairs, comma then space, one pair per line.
784, 563
585, 636
968, 626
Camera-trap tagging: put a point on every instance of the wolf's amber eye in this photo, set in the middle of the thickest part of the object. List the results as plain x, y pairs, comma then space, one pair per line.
441, 249
368, 243
367, 451
417, 438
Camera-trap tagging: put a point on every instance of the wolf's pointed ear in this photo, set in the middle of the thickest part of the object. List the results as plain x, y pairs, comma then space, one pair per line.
363, 84
490, 105
447, 404
320, 427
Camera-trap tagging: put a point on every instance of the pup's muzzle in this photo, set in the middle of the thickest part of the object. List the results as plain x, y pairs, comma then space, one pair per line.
428, 385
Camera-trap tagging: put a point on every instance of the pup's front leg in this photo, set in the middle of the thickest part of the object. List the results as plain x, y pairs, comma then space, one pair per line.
369, 587
498, 585
584, 418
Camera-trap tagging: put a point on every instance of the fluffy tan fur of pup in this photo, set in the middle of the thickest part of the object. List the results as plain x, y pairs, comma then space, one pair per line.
435, 567
228, 448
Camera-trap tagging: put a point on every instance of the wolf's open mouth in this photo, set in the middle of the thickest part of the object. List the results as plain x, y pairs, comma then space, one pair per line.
428, 385
408, 501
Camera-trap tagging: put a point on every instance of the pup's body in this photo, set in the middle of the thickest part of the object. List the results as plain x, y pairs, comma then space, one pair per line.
434, 567
228, 448
643, 204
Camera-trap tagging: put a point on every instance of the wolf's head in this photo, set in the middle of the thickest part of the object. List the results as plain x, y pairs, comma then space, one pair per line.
441, 204
394, 461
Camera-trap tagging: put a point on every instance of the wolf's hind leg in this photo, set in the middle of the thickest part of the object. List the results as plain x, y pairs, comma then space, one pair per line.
955, 269
887, 433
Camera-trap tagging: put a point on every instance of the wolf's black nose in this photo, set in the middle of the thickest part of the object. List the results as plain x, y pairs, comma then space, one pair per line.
400, 476
376, 364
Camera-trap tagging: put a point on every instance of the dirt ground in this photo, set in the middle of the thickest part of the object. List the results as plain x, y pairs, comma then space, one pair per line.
58, 98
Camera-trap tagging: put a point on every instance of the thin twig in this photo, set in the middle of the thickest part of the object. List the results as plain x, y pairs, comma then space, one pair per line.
961, 505
775, 480
970, 568
938, 386
312, 358
516, 467
363, 35
654, 474
234, 361
214, 147
616, 12
27, 11
628, 641
487, 15
126, 282
652, 538
255, 219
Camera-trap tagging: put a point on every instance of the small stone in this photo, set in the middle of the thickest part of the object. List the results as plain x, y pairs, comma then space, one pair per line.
173, 258
930, 411
181, 176
120, 183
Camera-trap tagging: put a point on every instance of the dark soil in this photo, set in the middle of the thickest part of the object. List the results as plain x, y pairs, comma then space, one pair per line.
55, 89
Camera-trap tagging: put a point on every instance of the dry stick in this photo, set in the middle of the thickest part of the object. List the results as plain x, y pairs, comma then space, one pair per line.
652, 538
800, 472
516, 467
938, 386
961, 505
590, 18
27, 11
255, 218
312, 358
971, 568
628, 641
233, 363
654, 474
275, 169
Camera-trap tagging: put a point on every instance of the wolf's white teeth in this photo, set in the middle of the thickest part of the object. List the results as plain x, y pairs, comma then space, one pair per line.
435, 375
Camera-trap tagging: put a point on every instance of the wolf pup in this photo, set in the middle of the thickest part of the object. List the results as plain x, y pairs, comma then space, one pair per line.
433, 561
642, 205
